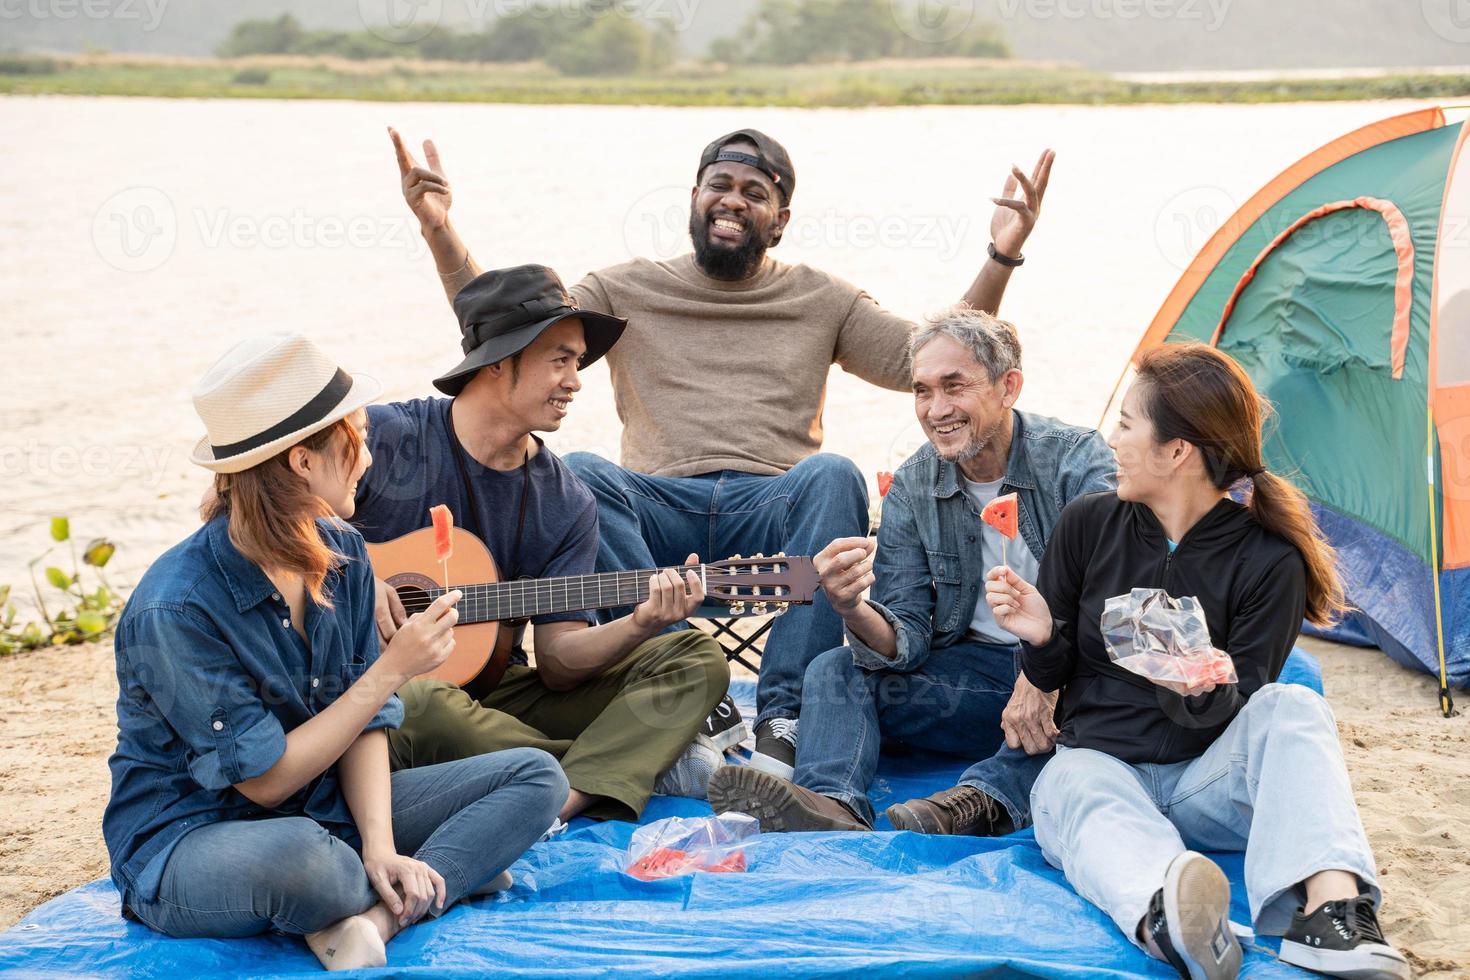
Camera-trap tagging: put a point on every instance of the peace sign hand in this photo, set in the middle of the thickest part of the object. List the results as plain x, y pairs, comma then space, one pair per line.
1015, 217
426, 189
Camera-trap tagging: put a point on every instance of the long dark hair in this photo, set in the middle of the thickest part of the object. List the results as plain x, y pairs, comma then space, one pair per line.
273, 512
1195, 393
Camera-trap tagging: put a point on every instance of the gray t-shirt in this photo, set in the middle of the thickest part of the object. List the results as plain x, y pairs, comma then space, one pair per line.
1017, 556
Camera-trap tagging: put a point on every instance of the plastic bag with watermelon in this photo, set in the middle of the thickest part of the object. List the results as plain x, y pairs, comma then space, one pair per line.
682, 845
1165, 640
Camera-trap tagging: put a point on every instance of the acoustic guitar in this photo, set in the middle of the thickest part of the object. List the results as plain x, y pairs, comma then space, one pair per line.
756, 585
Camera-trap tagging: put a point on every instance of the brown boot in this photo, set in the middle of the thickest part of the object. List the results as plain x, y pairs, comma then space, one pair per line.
778, 804
960, 810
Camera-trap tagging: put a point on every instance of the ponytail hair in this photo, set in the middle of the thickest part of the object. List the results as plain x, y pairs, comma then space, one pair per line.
1196, 393
273, 512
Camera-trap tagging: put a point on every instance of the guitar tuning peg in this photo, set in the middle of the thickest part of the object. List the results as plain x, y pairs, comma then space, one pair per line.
781, 607
780, 554
737, 609
759, 557
737, 558
759, 609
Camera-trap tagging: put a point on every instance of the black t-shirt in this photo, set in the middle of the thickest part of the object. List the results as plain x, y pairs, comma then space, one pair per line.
414, 469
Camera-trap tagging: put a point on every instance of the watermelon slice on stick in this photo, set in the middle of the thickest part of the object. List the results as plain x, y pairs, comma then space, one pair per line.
443, 537
1001, 514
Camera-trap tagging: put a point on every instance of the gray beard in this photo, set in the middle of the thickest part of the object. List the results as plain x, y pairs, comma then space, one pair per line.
979, 444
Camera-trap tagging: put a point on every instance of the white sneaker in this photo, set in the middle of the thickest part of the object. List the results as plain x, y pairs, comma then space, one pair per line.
690, 773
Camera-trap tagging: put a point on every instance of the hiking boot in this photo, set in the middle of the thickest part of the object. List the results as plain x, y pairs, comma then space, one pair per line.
1342, 939
1189, 920
779, 805
690, 773
724, 729
775, 747
960, 810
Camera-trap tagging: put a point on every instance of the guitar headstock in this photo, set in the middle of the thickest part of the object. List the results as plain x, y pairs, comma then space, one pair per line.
761, 585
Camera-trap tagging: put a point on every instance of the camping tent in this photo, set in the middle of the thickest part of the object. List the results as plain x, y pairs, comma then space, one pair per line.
1343, 288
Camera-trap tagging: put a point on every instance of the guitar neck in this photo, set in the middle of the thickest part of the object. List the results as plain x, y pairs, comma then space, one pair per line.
528, 598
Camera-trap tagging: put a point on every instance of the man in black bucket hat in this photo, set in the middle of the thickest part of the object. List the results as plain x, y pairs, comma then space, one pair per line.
619, 704
720, 381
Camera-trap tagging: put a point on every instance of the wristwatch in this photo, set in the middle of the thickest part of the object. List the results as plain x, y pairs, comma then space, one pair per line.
1006, 260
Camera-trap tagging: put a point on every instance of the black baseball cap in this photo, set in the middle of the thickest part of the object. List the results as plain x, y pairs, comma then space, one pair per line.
770, 159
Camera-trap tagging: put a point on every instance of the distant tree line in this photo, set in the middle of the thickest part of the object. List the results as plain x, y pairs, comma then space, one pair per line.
606, 37
601, 37
793, 32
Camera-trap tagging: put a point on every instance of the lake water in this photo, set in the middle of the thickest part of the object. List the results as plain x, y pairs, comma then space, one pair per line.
140, 238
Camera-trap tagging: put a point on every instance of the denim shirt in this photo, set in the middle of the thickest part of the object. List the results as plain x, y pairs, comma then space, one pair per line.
211, 676
929, 570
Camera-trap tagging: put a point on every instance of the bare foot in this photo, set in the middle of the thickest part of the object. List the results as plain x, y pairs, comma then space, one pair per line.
352, 944
496, 885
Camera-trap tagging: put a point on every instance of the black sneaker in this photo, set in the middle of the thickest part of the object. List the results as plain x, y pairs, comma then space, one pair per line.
775, 747
961, 810
1189, 920
724, 729
1342, 939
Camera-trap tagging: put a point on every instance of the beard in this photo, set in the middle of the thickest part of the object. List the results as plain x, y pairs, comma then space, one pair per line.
977, 444
720, 261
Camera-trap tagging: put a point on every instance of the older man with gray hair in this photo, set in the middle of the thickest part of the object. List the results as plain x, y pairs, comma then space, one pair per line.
924, 661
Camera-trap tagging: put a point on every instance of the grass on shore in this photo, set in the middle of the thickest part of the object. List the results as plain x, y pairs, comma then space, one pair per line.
952, 82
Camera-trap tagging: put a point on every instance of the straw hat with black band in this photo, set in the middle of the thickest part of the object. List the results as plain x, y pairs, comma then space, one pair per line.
267, 394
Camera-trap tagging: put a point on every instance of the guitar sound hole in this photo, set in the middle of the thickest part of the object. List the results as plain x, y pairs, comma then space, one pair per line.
414, 599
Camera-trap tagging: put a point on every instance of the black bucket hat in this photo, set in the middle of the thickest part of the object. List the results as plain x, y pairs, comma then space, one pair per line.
502, 312
770, 159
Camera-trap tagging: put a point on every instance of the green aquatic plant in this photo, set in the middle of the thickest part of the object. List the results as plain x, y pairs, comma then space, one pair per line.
85, 610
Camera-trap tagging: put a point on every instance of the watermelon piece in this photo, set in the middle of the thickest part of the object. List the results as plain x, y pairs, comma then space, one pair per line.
443, 525
662, 862
1000, 514
885, 482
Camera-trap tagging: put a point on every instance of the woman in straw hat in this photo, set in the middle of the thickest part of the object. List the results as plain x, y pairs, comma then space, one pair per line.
251, 788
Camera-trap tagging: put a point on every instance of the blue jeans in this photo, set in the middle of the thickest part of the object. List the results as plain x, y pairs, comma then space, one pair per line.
657, 522
951, 704
1274, 785
468, 820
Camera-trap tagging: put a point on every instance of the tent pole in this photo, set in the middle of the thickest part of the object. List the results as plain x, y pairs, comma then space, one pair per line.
1446, 702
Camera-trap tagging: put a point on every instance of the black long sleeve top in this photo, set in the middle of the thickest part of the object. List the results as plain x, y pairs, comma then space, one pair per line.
1251, 584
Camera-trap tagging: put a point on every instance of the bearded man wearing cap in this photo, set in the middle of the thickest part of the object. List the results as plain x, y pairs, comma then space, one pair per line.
720, 382
619, 703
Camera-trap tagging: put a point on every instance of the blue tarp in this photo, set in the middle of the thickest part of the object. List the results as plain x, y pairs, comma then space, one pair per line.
810, 905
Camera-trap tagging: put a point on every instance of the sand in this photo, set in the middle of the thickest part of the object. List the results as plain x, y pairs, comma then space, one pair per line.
1410, 768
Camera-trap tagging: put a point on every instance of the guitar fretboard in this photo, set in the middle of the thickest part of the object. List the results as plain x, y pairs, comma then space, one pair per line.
500, 601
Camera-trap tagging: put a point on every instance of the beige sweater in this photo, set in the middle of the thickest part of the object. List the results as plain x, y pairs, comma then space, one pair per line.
714, 375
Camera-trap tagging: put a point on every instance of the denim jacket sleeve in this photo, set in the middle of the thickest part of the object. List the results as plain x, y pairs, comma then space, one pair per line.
1090, 467
903, 589
181, 663
366, 647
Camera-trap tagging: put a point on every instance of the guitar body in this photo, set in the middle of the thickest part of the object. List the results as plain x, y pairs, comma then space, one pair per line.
407, 564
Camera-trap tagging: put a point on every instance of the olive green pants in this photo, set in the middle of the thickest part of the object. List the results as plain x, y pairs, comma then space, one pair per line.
614, 734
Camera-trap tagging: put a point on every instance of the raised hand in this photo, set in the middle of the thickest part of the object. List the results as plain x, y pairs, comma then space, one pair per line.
426, 189
1015, 217
1017, 606
845, 569
670, 600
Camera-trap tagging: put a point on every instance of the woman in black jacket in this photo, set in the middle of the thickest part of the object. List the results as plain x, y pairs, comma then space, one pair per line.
1144, 772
